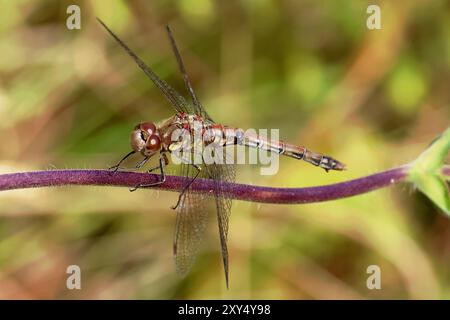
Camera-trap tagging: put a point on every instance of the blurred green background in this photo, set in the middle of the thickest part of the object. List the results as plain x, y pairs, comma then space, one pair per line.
373, 99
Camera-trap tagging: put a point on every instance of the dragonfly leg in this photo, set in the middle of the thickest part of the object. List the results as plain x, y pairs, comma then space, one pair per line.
116, 167
141, 163
199, 169
162, 162
153, 169
166, 162
138, 166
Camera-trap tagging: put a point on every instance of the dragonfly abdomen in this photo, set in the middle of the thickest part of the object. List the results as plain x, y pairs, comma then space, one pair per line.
286, 149
225, 136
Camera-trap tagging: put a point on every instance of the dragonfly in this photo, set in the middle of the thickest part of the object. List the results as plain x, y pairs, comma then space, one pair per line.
156, 139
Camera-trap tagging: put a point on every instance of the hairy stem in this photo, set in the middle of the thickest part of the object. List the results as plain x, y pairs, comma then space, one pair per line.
236, 191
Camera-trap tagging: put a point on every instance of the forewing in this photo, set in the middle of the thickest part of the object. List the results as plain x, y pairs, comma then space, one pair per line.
196, 106
175, 99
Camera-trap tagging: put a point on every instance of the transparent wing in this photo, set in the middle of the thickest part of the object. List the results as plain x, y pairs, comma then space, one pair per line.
192, 216
201, 111
196, 108
175, 99
221, 173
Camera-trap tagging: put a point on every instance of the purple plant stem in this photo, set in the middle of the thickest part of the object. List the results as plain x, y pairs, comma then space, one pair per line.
236, 191
446, 171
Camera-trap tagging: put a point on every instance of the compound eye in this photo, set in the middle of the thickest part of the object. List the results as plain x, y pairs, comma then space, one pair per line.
148, 127
137, 140
153, 143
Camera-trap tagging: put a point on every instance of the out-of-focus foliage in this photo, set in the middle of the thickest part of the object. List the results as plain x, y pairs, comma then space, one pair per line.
373, 99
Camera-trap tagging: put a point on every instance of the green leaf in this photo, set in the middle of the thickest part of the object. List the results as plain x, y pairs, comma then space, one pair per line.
436, 189
426, 172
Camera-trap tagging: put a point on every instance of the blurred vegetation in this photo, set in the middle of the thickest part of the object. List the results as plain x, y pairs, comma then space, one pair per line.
373, 99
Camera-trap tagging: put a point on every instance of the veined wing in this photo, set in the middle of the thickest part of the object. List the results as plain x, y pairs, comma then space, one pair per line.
175, 99
192, 216
221, 173
197, 107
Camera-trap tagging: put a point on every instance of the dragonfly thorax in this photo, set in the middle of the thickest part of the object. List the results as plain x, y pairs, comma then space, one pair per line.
145, 139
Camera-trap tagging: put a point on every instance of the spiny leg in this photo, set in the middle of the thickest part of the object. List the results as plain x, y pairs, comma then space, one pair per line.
139, 165
199, 169
166, 162
162, 162
116, 167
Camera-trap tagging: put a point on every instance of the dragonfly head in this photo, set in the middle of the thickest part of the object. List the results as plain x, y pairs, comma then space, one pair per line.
145, 139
